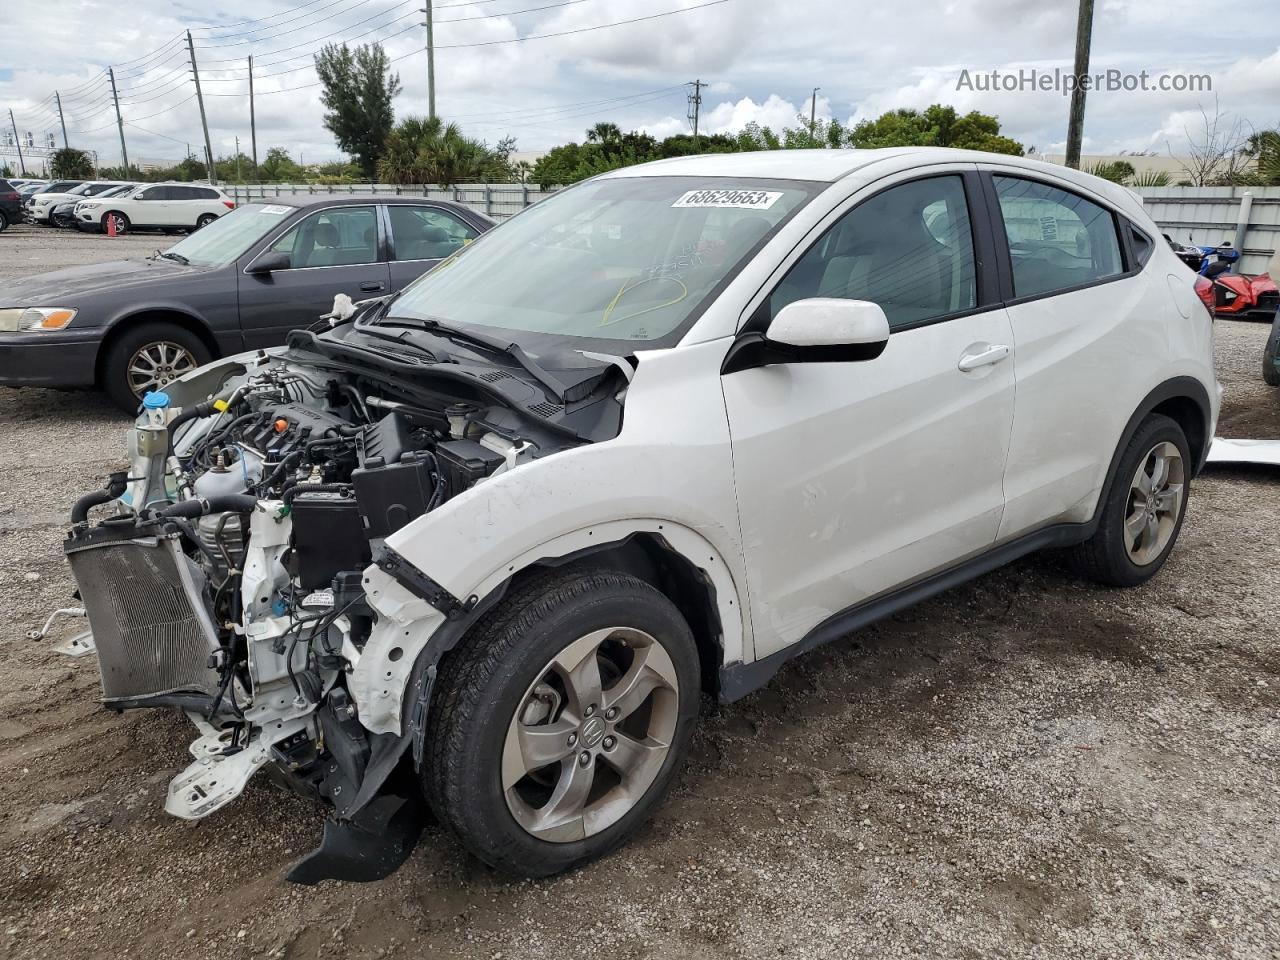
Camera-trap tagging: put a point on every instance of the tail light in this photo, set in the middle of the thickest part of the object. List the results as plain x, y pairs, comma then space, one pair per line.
9, 196
228, 204
1204, 290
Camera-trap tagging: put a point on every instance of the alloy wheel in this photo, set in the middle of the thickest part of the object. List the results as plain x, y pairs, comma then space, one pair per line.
154, 364
1155, 503
590, 735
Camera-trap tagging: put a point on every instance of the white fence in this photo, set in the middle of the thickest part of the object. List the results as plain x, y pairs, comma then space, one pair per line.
1247, 217
498, 200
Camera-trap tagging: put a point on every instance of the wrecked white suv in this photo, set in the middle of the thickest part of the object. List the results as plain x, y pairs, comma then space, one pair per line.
489, 541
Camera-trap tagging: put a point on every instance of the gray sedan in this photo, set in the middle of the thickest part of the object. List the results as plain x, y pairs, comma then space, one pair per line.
242, 282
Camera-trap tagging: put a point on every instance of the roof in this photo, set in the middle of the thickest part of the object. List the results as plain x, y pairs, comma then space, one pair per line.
821, 165
305, 201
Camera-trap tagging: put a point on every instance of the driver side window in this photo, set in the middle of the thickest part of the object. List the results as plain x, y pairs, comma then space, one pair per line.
343, 236
908, 249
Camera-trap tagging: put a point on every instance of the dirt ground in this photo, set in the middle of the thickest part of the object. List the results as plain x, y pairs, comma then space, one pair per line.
1027, 766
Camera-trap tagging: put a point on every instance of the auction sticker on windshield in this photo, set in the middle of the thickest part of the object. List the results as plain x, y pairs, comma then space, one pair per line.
749, 199
276, 211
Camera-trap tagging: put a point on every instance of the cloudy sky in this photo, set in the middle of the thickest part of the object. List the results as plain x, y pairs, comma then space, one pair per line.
498, 73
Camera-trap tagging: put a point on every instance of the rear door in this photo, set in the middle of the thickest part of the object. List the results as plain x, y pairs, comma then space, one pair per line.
1082, 365
331, 251
420, 237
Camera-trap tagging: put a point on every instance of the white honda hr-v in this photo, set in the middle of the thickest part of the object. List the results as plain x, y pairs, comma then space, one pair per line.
490, 540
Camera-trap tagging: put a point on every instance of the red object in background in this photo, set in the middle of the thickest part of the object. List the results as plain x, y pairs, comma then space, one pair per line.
1237, 295
228, 204
111, 226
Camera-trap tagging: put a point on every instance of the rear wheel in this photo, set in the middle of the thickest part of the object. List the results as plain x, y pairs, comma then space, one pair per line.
1271, 355
147, 357
1144, 509
117, 218
563, 721
204, 220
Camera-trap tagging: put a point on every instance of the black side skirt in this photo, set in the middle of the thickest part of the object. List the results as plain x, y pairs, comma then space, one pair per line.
739, 679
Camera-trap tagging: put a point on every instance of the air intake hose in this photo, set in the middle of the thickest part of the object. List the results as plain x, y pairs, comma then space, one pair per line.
229, 503
116, 485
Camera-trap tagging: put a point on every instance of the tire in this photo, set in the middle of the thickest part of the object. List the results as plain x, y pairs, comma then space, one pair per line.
146, 346
204, 220
1271, 354
122, 221
4, 221
506, 668
1114, 556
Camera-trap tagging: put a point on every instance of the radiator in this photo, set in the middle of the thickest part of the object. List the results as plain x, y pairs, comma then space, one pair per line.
150, 626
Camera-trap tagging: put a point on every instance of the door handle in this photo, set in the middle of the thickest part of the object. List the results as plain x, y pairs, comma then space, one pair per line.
993, 353
371, 285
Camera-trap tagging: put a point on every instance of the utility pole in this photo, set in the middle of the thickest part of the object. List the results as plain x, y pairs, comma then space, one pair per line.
17, 142
253, 126
813, 115
238, 160
1075, 123
431, 61
195, 73
61, 120
695, 108
124, 151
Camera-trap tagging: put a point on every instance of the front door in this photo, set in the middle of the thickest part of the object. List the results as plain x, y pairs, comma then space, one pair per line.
331, 251
855, 478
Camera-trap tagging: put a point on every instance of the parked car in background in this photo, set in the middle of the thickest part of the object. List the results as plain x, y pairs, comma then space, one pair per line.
45, 189
159, 206
242, 282
10, 205
64, 214
42, 205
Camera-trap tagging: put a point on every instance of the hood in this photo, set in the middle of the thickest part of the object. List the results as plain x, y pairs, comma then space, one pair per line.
66, 288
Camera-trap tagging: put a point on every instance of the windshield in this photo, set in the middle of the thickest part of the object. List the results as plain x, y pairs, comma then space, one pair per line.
632, 259
231, 234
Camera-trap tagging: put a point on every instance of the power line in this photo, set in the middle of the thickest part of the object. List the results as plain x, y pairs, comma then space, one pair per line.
285, 33
557, 108
303, 43
273, 16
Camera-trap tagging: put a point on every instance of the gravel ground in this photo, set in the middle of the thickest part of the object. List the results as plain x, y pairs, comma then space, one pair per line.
1026, 766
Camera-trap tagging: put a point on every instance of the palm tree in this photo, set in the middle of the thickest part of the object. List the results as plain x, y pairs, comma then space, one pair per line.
604, 133
428, 150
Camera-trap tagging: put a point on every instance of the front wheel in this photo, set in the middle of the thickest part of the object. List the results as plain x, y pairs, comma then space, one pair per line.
562, 721
117, 220
1144, 508
204, 220
147, 357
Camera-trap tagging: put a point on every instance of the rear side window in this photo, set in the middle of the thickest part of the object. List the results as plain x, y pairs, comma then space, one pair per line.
426, 233
908, 249
1142, 245
1057, 240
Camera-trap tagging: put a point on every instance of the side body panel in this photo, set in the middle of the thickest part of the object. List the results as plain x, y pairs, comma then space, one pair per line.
669, 472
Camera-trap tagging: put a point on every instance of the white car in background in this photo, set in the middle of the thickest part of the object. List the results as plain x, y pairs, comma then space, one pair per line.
42, 204
158, 206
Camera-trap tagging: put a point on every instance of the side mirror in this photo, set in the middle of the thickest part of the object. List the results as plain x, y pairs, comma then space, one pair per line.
817, 330
268, 263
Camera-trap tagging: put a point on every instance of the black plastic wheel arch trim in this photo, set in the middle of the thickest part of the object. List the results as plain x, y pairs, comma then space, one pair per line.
419, 584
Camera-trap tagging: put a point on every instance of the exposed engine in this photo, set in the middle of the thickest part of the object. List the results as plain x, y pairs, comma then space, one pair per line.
230, 580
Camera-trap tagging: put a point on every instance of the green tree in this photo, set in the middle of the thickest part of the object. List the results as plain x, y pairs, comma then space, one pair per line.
357, 95
935, 126
279, 166
70, 164
428, 150
1117, 171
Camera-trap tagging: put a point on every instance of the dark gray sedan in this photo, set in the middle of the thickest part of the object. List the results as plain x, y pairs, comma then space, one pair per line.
240, 283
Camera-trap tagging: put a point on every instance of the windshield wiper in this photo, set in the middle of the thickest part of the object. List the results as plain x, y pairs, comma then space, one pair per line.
509, 349
170, 255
